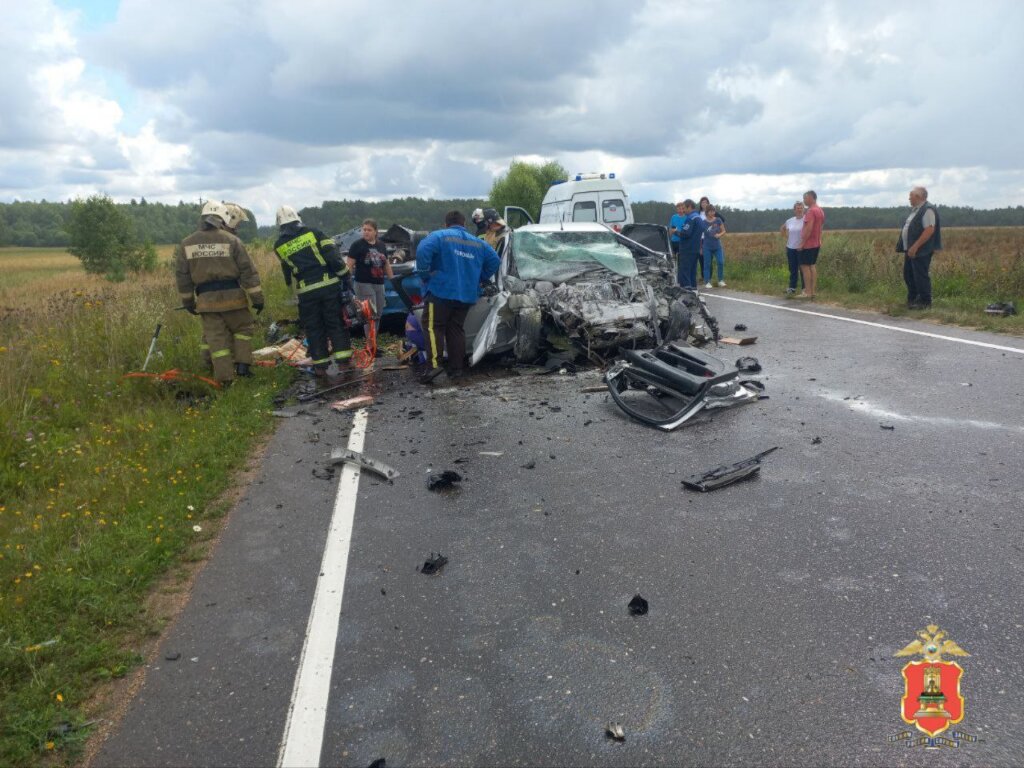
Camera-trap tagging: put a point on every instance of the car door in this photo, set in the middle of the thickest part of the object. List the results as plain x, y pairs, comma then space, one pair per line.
490, 326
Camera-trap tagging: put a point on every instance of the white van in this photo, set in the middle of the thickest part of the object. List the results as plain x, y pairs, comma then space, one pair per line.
588, 197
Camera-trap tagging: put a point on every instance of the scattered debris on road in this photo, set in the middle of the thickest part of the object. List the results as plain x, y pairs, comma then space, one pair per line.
434, 564
172, 656
748, 364
593, 388
739, 327
667, 386
443, 480
637, 606
532, 464
615, 731
491, 453
727, 474
380, 762
345, 456
289, 413
741, 341
816, 441
352, 403
889, 427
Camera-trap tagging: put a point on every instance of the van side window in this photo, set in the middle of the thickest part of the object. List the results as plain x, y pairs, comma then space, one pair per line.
585, 210
613, 210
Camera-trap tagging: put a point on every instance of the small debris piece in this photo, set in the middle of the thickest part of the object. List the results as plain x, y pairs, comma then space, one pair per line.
326, 473
637, 606
344, 456
741, 341
748, 364
491, 453
352, 402
313, 437
739, 327
461, 460
434, 564
414, 414
890, 427
380, 762
443, 480
288, 413
172, 656
615, 731
530, 465
594, 388
727, 474
1001, 308
40, 646
816, 441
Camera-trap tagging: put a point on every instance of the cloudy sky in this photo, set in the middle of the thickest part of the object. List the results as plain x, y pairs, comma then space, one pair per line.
750, 102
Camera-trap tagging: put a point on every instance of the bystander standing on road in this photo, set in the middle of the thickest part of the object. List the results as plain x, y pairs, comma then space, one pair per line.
920, 238
675, 224
368, 260
791, 229
810, 243
451, 264
714, 230
702, 208
689, 245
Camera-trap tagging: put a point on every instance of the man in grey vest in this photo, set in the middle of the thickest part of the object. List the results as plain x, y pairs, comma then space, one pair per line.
920, 238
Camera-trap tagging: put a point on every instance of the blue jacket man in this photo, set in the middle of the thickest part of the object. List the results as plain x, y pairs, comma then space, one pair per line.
451, 264
689, 244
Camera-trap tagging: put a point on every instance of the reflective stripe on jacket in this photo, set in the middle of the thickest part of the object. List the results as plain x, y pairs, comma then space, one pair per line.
308, 257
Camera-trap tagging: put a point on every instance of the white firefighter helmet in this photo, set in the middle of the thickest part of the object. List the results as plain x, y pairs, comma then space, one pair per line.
212, 208
236, 213
286, 215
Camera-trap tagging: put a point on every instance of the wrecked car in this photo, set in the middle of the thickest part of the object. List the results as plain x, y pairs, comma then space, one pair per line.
582, 281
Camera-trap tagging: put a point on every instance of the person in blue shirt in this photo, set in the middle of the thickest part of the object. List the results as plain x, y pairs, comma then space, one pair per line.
451, 264
674, 225
690, 234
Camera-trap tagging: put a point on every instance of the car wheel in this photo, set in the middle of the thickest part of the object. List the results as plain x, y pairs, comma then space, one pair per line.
528, 327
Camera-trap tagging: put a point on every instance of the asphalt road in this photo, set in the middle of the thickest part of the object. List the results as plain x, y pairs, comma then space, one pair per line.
776, 605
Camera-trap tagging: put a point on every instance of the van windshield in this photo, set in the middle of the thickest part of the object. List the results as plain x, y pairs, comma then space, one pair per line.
562, 256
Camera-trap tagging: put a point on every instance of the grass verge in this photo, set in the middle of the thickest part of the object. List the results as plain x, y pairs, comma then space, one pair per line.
105, 484
861, 270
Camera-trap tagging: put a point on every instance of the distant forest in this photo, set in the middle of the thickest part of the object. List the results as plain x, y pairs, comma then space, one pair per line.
42, 223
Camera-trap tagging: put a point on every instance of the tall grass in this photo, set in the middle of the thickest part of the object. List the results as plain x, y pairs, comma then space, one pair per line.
102, 481
862, 269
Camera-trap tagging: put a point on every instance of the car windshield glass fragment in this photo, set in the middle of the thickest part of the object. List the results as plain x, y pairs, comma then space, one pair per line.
562, 256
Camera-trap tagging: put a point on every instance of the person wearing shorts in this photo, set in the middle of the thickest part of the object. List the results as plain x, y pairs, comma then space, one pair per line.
810, 243
369, 263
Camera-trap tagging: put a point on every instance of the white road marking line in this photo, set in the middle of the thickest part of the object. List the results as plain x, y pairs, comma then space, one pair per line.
307, 713
878, 412
985, 344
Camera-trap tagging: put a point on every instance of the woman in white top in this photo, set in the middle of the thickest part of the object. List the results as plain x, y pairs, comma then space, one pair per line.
792, 229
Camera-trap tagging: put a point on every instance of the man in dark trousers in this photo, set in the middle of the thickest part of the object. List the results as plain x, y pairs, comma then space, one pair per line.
690, 234
920, 238
217, 280
451, 263
322, 283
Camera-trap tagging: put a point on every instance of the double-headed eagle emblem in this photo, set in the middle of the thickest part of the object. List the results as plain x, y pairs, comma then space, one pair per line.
932, 645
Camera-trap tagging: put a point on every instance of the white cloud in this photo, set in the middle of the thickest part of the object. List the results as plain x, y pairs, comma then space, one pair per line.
751, 103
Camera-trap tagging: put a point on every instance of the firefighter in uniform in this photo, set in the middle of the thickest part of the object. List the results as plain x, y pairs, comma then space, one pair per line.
217, 280
322, 283
236, 215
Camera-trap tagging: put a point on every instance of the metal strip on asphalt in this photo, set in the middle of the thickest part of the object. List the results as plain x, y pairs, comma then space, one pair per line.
307, 713
867, 322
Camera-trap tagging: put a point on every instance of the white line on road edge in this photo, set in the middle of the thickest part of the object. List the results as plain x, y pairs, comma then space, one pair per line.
867, 322
307, 713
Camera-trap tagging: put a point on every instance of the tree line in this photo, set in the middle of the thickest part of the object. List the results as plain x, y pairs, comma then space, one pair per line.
43, 223
47, 224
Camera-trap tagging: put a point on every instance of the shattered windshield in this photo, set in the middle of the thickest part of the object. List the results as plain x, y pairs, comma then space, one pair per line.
561, 256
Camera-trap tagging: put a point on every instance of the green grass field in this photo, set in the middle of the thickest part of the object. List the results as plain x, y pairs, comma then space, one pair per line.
106, 483
860, 269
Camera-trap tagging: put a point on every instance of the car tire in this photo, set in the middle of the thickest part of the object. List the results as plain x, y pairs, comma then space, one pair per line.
528, 328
